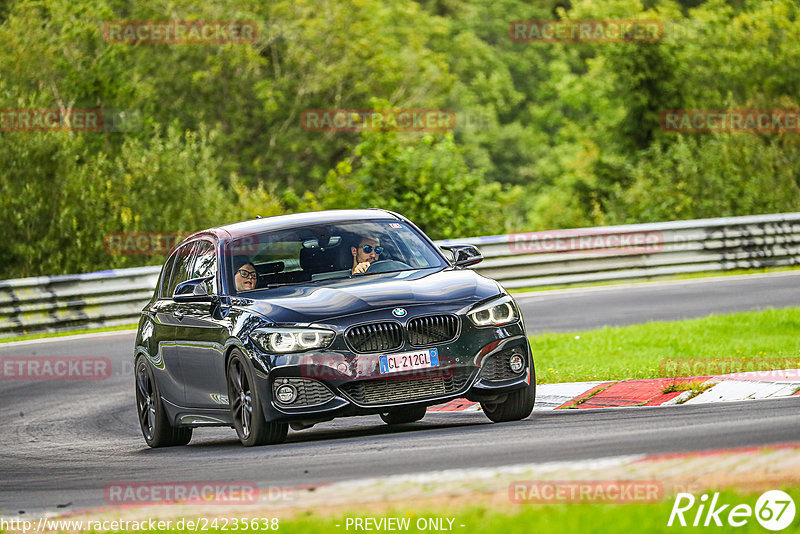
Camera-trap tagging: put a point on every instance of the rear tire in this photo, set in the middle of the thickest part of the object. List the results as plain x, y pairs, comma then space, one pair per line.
407, 414
248, 417
153, 420
518, 405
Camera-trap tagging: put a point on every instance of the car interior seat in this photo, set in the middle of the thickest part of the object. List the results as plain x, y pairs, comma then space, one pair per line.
320, 260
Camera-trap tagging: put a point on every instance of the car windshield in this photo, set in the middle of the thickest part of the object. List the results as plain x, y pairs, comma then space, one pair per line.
331, 251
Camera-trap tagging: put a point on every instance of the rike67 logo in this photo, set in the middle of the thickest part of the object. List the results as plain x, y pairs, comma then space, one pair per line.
774, 510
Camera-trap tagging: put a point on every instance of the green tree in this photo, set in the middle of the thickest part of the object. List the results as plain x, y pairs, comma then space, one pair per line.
425, 180
63, 198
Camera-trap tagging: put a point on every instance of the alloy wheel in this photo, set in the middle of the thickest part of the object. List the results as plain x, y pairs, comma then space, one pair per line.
242, 401
145, 402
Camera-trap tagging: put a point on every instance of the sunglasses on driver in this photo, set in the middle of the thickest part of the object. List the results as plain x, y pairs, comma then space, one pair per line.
368, 249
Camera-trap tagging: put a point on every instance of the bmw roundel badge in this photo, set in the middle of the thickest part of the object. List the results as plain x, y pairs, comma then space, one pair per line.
399, 312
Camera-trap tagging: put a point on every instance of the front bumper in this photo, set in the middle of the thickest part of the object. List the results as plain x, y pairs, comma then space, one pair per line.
339, 382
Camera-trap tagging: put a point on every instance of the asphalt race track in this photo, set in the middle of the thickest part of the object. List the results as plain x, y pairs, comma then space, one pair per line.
595, 307
63, 441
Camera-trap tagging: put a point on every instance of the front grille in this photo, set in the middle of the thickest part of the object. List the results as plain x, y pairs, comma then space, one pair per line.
374, 337
432, 329
309, 392
391, 390
497, 368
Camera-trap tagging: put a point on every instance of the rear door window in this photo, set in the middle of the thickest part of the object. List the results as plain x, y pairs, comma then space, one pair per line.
205, 264
166, 274
183, 265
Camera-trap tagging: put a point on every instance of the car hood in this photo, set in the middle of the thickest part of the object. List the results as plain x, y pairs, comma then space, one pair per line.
310, 303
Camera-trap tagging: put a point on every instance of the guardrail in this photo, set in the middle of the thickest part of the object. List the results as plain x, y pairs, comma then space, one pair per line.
54, 303
557, 257
639, 251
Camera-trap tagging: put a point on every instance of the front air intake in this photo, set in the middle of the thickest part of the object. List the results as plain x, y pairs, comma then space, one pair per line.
375, 337
432, 329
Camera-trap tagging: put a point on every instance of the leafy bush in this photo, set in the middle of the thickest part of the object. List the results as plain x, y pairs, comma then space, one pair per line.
547, 135
426, 181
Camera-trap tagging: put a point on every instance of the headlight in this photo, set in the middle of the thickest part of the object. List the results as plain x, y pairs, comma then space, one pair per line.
497, 312
292, 339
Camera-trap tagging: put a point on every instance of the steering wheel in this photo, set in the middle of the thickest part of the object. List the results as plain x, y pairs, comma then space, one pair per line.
382, 266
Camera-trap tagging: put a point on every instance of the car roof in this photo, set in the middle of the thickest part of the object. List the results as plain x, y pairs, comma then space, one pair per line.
295, 220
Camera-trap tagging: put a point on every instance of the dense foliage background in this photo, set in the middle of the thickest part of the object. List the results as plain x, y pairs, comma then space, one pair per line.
554, 134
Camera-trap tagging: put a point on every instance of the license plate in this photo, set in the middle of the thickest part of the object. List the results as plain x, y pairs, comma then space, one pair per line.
408, 361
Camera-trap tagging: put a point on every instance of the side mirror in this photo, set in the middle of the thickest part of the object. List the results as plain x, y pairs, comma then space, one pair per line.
464, 255
193, 290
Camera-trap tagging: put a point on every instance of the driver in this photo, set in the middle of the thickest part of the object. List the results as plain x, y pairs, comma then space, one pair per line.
244, 273
365, 253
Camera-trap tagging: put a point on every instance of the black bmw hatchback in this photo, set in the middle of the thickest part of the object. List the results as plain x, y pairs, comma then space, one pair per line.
297, 319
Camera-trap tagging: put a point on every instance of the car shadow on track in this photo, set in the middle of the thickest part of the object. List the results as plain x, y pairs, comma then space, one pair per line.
340, 432
326, 434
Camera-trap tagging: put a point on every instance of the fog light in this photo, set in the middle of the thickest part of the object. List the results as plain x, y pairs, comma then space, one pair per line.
286, 394
516, 363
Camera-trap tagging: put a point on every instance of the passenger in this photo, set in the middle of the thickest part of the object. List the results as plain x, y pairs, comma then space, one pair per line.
365, 254
244, 273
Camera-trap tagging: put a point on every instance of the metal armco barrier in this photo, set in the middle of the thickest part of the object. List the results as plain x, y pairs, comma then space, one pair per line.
556, 257
53, 303
639, 251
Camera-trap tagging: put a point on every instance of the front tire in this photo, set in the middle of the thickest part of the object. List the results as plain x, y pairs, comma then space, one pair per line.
156, 428
407, 414
518, 405
248, 417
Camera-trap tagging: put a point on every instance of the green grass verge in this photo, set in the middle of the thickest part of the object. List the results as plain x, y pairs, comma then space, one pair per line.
585, 518
718, 344
69, 333
685, 276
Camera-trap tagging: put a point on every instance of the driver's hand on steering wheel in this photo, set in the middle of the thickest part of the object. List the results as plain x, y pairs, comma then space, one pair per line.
361, 267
